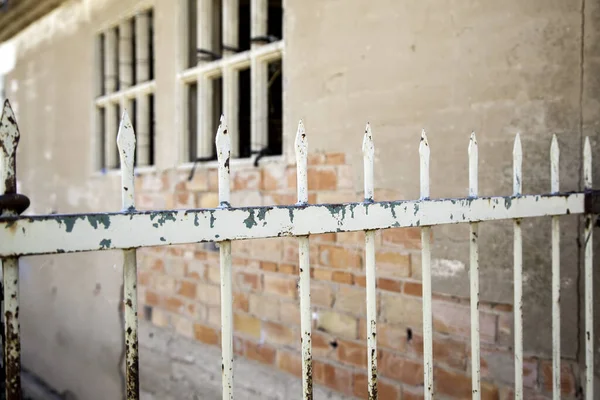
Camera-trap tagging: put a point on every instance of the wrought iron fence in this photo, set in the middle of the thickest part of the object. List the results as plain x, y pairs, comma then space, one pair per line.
130, 229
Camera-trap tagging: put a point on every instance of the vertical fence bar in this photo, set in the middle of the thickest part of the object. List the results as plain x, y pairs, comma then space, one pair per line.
368, 149
554, 188
474, 273
126, 145
223, 145
9, 139
304, 261
589, 277
518, 272
424, 153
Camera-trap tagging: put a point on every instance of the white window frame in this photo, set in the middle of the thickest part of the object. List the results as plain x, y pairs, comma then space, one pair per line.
228, 67
129, 91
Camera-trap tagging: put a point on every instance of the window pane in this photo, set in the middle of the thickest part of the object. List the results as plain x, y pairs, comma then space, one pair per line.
275, 104
244, 118
275, 19
244, 25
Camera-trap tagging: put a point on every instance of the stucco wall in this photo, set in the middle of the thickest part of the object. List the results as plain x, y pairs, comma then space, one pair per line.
447, 66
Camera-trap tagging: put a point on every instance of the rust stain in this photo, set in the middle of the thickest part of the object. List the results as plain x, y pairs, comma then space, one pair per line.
13, 358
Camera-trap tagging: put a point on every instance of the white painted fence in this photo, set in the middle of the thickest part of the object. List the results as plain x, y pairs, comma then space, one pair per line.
131, 229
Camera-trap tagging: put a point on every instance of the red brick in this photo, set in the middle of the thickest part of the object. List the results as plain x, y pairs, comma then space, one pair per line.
289, 313
184, 200
385, 390
289, 362
323, 237
280, 285
334, 377
206, 334
455, 319
352, 353
323, 345
187, 289
340, 257
400, 368
240, 301
289, 269
246, 281
393, 263
262, 353
351, 299
391, 337
413, 289
268, 266
174, 305
458, 385
412, 393
246, 180
321, 274
343, 277
567, 379
337, 324
409, 238
389, 285
450, 352
360, 280
247, 324
272, 177
322, 178
157, 265
152, 298
335, 158
316, 158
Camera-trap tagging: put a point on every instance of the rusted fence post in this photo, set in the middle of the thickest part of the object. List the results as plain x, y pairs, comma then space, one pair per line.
11, 204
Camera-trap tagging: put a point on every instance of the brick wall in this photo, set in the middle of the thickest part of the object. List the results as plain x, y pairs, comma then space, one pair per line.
179, 288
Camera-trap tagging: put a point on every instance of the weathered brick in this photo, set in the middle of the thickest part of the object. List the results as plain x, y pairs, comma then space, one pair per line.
268, 266
335, 158
321, 274
567, 378
213, 274
247, 324
323, 345
280, 285
392, 263
334, 377
351, 300
213, 179
208, 200
246, 281
323, 237
405, 310
338, 197
448, 351
289, 313
352, 353
208, 294
494, 362
458, 385
152, 298
337, 324
278, 334
165, 284
273, 177
396, 367
455, 319
270, 249
322, 178
176, 267
213, 315
160, 318
195, 270
206, 334
289, 362
184, 200
264, 307
409, 238
345, 177
385, 390
263, 353
340, 257
246, 180
199, 182
321, 294
505, 325
289, 269
354, 238
360, 280
241, 301
187, 289
343, 277
183, 326
174, 304
411, 393
412, 288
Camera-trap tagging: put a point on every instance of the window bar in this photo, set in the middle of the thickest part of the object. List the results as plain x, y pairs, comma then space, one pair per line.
110, 83
9, 140
142, 74
301, 146
518, 272
125, 55
368, 149
100, 51
231, 75
126, 145
424, 153
589, 277
204, 40
473, 152
259, 77
223, 145
231, 16
554, 179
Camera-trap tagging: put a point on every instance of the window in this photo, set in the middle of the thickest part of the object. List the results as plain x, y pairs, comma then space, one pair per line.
233, 66
125, 80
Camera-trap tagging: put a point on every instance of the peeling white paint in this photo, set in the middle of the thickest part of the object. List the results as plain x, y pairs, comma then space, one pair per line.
446, 268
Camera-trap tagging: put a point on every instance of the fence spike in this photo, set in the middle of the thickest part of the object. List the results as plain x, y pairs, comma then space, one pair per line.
368, 149
9, 140
518, 272
223, 145
126, 144
556, 353
473, 152
589, 275
424, 153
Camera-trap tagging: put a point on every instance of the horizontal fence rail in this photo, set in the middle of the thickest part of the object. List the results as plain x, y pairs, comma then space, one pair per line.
130, 229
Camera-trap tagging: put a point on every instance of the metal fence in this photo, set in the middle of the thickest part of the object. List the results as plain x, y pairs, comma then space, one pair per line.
130, 229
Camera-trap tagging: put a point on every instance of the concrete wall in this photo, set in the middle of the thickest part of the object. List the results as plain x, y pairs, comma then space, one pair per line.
448, 66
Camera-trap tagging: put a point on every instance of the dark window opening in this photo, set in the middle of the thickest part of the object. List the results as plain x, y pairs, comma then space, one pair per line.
152, 124
275, 19
101, 115
192, 21
101, 61
133, 53
217, 32
192, 111
244, 25
151, 44
217, 110
275, 107
244, 117
116, 60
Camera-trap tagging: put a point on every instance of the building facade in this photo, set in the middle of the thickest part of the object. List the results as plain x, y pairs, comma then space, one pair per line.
450, 67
